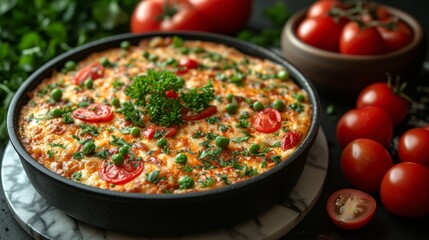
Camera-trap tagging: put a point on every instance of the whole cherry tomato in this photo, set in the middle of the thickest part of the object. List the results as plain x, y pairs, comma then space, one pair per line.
170, 15
268, 120
92, 71
364, 163
404, 190
314, 31
357, 40
224, 16
94, 113
350, 209
323, 8
413, 146
396, 35
115, 174
383, 95
368, 122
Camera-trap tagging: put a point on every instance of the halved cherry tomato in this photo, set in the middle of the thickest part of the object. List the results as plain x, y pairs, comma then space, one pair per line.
290, 140
149, 132
350, 209
364, 163
93, 71
120, 174
382, 95
413, 146
404, 190
268, 120
94, 113
187, 115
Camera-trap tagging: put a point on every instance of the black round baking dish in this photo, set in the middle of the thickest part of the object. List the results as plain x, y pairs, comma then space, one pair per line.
170, 213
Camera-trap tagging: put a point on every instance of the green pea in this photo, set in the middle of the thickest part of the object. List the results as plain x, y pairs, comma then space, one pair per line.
105, 62
161, 142
229, 97
56, 113
70, 66
118, 159
56, 95
89, 83
181, 158
185, 182
283, 75
258, 106
254, 148
222, 141
88, 148
115, 102
125, 45
279, 105
135, 131
231, 108
124, 150
153, 58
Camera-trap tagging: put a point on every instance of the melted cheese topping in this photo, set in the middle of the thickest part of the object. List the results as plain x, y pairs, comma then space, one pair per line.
57, 142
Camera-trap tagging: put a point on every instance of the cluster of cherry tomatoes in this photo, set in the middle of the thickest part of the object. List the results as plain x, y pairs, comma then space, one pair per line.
365, 133
220, 16
357, 28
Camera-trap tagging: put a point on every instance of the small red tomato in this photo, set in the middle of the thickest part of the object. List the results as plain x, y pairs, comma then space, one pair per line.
356, 40
364, 163
383, 95
166, 15
290, 140
396, 36
93, 71
413, 146
224, 16
314, 31
268, 120
323, 8
350, 209
368, 122
94, 113
404, 190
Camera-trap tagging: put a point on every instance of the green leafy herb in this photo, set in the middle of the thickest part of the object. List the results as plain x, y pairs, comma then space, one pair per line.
77, 176
199, 99
33, 32
206, 183
132, 114
91, 129
153, 176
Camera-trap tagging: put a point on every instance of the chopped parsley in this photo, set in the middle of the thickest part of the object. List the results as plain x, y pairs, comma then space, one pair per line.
132, 114
91, 129
153, 177
206, 183
77, 176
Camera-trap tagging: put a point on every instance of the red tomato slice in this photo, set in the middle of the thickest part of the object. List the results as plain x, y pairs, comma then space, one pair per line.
149, 132
93, 71
171, 94
120, 174
188, 116
350, 209
290, 140
185, 64
94, 113
267, 120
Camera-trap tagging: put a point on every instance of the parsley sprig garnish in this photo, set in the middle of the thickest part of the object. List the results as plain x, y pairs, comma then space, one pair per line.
148, 94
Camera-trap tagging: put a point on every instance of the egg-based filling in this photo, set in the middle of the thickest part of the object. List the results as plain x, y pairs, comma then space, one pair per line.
166, 116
